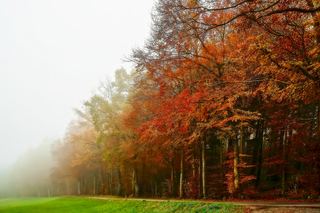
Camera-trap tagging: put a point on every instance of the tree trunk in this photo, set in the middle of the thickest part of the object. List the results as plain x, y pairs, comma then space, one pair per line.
102, 181
181, 175
119, 188
235, 166
171, 191
283, 170
199, 176
111, 182
318, 120
318, 135
94, 185
241, 140
49, 192
156, 189
193, 166
203, 157
68, 187
133, 182
135, 186
79, 187
259, 144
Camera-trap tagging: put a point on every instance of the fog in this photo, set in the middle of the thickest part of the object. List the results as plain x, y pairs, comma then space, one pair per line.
30, 175
53, 56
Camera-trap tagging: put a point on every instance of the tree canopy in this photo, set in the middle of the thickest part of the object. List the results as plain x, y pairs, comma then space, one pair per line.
224, 102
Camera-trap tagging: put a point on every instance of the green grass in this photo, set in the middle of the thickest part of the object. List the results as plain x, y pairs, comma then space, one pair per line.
78, 205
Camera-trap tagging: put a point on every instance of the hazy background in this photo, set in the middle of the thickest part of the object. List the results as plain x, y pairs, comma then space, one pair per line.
53, 54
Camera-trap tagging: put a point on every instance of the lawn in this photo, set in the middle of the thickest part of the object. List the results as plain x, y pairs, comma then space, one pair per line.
78, 205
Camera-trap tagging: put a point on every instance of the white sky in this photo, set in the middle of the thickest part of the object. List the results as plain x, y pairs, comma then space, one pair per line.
53, 55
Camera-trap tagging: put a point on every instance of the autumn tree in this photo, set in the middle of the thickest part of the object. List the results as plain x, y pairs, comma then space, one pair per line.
224, 102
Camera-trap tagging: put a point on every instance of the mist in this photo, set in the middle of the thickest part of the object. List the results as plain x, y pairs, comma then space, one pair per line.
30, 174
53, 56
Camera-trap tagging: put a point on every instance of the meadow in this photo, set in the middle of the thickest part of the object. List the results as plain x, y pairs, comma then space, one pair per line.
82, 204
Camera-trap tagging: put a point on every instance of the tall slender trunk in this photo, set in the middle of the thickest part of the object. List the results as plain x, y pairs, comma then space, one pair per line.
68, 187
235, 166
181, 175
240, 151
221, 157
133, 181
79, 187
111, 182
203, 157
172, 178
193, 166
318, 136
318, 120
49, 191
102, 181
259, 144
135, 186
241, 140
283, 170
119, 188
94, 184
221, 152
194, 173
156, 189
199, 175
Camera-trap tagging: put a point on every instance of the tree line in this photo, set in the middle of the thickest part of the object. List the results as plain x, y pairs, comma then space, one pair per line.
224, 102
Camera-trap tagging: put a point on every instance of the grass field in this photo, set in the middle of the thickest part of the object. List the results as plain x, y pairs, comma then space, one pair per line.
78, 205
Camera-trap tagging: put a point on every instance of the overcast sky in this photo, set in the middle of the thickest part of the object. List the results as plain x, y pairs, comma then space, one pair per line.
53, 55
